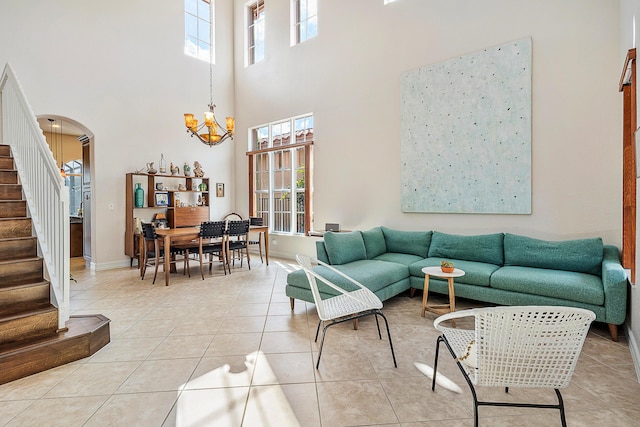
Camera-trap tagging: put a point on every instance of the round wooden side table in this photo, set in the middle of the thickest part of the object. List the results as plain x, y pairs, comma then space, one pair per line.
437, 272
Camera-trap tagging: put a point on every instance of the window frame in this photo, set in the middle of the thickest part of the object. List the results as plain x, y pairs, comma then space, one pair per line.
255, 16
307, 168
297, 22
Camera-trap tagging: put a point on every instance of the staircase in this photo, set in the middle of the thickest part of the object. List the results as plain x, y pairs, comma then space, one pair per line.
30, 339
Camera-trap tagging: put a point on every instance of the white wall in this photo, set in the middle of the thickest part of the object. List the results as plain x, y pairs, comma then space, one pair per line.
629, 19
349, 77
118, 68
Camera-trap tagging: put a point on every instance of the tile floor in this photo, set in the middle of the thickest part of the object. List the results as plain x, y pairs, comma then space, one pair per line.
227, 351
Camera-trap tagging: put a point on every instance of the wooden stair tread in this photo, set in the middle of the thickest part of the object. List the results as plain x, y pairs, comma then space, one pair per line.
16, 311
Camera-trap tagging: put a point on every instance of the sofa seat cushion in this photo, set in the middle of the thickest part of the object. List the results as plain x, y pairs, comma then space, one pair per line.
584, 255
481, 248
567, 285
475, 273
375, 275
404, 259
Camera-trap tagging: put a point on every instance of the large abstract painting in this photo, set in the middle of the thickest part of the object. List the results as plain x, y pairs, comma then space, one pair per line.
466, 133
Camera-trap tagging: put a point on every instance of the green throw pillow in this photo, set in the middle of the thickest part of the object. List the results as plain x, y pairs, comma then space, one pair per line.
583, 256
374, 242
407, 242
482, 248
344, 247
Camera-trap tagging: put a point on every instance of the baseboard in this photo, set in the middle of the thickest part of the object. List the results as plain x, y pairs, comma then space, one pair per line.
635, 353
112, 265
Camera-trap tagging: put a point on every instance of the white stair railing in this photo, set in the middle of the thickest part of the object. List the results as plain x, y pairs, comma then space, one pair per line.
43, 187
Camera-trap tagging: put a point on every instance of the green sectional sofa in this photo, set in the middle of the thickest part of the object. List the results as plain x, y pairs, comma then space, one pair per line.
500, 268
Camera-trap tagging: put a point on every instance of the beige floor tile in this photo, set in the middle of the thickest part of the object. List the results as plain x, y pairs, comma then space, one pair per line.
268, 406
159, 375
283, 368
303, 398
343, 365
63, 412
12, 408
220, 372
139, 409
94, 379
181, 346
288, 323
234, 344
345, 403
284, 342
151, 328
206, 326
126, 349
243, 324
37, 385
220, 407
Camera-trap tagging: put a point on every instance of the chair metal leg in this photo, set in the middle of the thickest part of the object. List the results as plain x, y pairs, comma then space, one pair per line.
393, 354
317, 331
563, 419
378, 325
324, 331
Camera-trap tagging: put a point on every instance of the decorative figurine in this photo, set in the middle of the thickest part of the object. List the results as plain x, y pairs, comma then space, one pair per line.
186, 169
197, 170
174, 169
150, 169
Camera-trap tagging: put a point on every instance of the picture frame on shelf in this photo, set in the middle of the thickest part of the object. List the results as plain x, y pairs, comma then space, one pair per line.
162, 199
219, 189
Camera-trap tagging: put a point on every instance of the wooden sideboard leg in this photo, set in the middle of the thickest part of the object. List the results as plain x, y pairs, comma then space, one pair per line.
613, 331
292, 302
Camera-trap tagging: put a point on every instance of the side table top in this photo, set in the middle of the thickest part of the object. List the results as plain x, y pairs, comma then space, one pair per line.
436, 271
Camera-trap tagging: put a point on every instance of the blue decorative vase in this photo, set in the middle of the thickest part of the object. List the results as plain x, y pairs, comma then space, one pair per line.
139, 196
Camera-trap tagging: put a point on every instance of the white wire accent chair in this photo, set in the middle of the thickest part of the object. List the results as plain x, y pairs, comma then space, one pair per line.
519, 346
211, 242
348, 305
237, 217
154, 251
237, 239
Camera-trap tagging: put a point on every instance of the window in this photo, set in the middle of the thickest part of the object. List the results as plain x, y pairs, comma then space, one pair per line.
305, 22
255, 32
198, 35
280, 174
73, 180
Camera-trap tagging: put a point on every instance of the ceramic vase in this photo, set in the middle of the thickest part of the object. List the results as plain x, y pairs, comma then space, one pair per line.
139, 196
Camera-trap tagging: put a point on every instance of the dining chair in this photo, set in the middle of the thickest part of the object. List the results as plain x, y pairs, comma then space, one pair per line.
154, 251
519, 346
348, 305
237, 237
237, 217
211, 241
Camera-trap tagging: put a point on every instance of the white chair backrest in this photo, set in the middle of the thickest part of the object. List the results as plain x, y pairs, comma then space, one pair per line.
305, 262
526, 346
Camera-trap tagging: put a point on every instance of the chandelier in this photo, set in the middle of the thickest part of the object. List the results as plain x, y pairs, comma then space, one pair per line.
210, 126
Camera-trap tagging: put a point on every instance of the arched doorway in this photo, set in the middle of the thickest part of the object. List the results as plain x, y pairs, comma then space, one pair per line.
71, 145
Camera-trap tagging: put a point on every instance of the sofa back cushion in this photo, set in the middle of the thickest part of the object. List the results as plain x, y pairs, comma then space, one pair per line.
374, 242
407, 242
583, 256
344, 247
482, 248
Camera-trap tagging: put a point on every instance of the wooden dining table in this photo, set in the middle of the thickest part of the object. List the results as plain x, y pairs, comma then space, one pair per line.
182, 234
264, 230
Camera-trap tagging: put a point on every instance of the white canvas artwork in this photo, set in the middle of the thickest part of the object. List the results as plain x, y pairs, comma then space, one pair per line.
466, 133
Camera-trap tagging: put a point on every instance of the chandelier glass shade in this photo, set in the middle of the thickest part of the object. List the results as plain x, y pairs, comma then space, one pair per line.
207, 132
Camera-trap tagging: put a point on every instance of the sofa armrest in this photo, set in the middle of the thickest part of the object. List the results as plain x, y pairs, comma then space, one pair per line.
321, 252
614, 282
